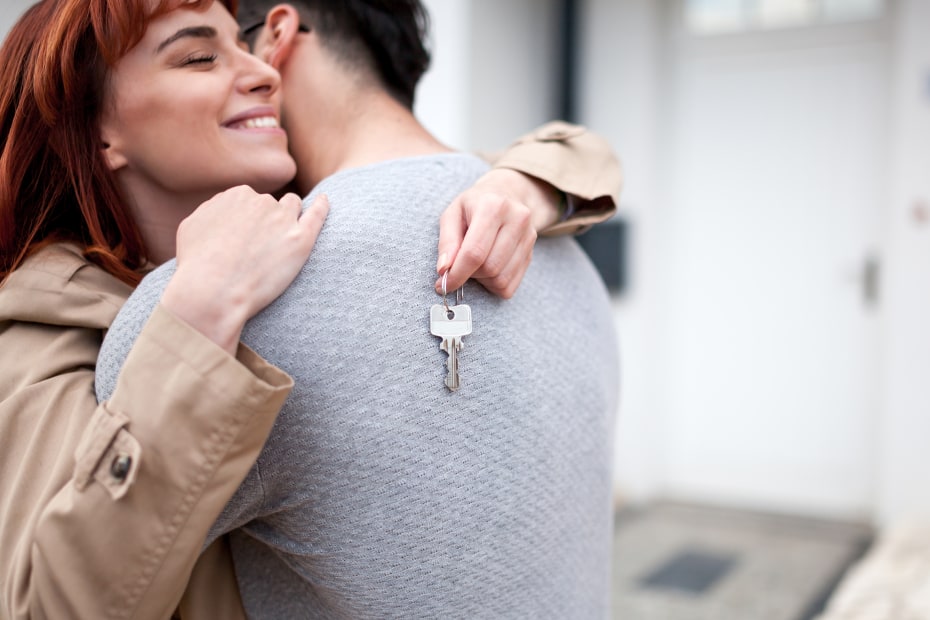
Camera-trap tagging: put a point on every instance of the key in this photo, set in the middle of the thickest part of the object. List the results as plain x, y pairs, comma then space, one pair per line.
451, 323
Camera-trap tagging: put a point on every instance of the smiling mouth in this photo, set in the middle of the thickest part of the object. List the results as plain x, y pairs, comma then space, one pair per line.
261, 122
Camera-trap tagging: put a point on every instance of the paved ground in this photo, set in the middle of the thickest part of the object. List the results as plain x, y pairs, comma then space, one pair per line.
680, 562
892, 582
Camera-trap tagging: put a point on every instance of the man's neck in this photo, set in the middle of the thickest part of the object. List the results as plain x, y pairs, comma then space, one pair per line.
376, 129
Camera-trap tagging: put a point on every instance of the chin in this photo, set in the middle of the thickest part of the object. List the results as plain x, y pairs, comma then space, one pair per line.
268, 187
270, 181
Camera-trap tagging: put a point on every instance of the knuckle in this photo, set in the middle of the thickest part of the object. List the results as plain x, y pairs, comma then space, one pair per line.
498, 281
499, 205
473, 254
513, 283
501, 286
487, 202
493, 267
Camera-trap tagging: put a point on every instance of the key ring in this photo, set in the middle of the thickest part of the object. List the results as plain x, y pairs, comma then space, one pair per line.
445, 302
459, 293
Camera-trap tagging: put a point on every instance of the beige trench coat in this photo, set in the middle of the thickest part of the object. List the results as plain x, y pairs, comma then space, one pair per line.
101, 507
104, 509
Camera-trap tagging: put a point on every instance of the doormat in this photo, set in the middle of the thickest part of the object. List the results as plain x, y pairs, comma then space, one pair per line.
686, 562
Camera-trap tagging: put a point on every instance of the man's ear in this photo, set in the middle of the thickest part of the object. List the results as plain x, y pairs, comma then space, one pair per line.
276, 41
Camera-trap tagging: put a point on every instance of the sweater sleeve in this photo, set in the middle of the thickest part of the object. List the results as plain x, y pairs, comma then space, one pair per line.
154, 466
575, 161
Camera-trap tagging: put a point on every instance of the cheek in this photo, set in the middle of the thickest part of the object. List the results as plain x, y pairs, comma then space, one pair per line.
169, 105
158, 127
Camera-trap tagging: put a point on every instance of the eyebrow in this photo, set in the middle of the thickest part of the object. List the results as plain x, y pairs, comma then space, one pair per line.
200, 32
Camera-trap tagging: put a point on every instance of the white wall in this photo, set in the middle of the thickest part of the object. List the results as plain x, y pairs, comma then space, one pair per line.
513, 78
492, 77
621, 83
443, 97
904, 471
10, 12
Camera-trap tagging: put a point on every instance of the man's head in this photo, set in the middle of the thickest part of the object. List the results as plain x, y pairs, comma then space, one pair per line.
382, 40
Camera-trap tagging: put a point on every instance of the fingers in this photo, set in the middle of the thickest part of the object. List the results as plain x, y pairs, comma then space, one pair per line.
292, 201
312, 218
471, 225
480, 238
240, 250
497, 246
452, 227
504, 282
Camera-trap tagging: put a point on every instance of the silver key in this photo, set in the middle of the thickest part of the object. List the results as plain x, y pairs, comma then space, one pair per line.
451, 323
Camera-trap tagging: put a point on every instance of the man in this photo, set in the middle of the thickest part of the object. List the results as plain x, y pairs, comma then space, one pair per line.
380, 492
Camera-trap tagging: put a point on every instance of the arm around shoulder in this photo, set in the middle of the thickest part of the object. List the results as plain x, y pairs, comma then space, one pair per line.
576, 162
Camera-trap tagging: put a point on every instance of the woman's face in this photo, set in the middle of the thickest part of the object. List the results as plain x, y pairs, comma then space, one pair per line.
189, 113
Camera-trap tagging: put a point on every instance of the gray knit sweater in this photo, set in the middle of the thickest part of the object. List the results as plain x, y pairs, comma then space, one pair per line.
380, 494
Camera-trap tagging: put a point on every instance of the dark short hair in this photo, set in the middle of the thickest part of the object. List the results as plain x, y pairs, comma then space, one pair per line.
387, 38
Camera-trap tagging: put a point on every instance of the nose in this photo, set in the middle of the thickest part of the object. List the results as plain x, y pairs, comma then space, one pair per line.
257, 76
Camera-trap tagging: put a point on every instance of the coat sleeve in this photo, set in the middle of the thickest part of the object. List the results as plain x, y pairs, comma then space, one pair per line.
575, 161
117, 533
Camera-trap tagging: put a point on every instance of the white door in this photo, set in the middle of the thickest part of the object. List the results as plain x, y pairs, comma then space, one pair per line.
775, 193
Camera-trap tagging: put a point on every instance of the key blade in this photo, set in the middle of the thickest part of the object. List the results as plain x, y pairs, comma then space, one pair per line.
452, 364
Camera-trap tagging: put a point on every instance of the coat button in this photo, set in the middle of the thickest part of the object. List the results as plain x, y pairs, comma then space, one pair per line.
120, 466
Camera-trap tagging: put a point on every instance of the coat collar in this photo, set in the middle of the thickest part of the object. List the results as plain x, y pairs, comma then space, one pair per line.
58, 286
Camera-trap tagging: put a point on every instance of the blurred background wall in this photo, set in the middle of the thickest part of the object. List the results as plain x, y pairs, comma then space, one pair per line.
775, 325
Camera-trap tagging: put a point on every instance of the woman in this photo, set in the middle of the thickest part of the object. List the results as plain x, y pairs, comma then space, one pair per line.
103, 510
191, 417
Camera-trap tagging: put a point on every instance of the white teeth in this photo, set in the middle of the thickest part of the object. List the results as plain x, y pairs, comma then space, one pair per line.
263, 122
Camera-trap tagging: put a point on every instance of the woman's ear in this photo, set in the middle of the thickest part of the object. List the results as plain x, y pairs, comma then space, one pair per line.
276, 40
109, 146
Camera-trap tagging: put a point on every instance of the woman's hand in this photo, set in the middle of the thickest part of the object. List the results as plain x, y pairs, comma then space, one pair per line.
236, 254
488, 232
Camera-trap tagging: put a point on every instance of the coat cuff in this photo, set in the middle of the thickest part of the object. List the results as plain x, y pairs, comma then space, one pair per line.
574, 161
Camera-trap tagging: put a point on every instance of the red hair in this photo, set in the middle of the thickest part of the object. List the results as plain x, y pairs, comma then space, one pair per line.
55, 185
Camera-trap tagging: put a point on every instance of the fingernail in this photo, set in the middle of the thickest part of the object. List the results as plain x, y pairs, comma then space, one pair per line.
441, 264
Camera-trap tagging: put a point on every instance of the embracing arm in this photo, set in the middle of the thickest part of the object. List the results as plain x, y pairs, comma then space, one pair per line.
153, 469
104, 509
558, 179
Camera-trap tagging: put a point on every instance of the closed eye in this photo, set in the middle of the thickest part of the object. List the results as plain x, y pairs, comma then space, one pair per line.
198, 59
